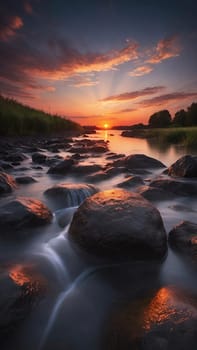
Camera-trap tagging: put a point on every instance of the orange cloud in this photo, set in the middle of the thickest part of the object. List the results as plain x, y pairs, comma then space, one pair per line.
164, 99
83, 81
140, 71
126, 110
166, 48
77, 63
9, 30
127, 96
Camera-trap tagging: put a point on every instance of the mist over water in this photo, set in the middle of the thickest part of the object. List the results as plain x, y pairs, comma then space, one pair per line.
81, 291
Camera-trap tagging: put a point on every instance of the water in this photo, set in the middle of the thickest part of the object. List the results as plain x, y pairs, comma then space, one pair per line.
80, 294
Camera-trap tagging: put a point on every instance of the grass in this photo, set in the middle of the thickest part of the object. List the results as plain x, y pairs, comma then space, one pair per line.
20, 120
185, 136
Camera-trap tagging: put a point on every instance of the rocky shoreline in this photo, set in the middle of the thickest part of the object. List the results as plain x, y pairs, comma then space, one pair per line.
118, 224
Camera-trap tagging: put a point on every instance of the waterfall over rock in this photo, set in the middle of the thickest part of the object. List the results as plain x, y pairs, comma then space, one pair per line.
69, 194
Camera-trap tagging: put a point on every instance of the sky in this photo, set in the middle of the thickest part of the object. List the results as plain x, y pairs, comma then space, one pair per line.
99, 61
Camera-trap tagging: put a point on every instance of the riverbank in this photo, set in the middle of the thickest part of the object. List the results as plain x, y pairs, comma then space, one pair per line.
186, 136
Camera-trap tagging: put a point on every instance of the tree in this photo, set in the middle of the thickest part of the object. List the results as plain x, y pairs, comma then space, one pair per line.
180, 118
161, 119
192, 114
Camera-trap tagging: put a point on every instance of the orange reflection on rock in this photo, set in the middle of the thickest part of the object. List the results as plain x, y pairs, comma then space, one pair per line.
167, 307
24, 276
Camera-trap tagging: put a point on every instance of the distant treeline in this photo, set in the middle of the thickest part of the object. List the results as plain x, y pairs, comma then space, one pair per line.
17, 119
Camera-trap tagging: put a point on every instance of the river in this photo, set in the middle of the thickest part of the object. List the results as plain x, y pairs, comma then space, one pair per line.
81, 297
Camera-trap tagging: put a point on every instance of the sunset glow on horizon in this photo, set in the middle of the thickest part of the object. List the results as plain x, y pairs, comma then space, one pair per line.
91, 62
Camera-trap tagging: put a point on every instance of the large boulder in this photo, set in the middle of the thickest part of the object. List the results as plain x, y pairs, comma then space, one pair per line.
185, 166
7, 183
69, 194
141, 161
62, 167
24, 212
183, 238
119, 224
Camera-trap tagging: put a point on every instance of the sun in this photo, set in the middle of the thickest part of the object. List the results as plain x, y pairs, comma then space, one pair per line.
106, 126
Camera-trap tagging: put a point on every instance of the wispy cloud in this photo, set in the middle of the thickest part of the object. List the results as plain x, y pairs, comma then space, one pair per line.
72, 62
9, 26
126, 110
140, 71
166, 48
165, 99
127, 96
83, 81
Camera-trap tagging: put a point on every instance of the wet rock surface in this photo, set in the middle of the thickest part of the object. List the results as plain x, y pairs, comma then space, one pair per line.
183, 238
141, 161
69, 194
131, 181
179, 188
117, 223
7, 183
185, 166
62, 167
22, 213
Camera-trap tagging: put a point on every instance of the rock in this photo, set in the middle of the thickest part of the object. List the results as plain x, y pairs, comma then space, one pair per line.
131, 181
19, 293
183, 238
185, 166
119, 224
39, 158
114, 156
25, 180
64, 216
179, 188
86, 169
141, 161
96, 177
62, 167
15, 157
24, 212
113, 171
5, 165
69, 194
154, 193
165, 319
7, 183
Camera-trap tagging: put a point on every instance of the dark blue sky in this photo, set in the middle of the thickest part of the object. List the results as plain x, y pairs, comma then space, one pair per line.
96, 61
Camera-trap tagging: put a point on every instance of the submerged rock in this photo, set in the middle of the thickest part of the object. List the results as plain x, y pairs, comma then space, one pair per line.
69, 194
179, 188
24, 212
119, 224
183, 238
7, 183
131, 181
25, 180
86, 169
39, 158
154, 193
185, 166
62, 167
